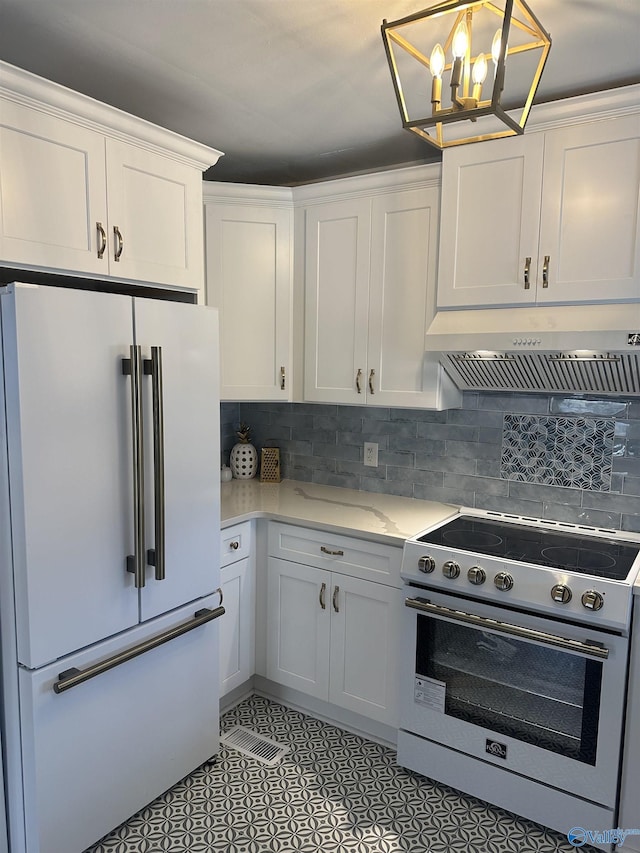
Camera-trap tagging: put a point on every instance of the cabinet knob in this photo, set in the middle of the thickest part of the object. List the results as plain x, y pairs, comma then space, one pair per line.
234, 545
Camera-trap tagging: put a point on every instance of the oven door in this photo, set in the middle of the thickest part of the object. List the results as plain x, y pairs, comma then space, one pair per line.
533, 695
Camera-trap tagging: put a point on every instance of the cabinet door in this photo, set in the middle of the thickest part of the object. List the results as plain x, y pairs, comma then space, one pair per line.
249, 280
364, 648
156, 205
589, 226
336, 301
404, 234
298, 624
490, 221
69, 441
236, 626
188, 336
52, 191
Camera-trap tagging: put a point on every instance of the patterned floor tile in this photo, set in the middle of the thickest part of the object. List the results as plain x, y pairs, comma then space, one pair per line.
333, 793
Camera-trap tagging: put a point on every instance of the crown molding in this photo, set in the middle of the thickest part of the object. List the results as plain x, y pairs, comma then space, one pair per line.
36, 93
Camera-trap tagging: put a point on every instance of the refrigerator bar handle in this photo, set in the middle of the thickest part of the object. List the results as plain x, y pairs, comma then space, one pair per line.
133, 367
153, 367
73, 677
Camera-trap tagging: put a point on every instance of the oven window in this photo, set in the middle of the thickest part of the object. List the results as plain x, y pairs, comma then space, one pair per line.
537, 694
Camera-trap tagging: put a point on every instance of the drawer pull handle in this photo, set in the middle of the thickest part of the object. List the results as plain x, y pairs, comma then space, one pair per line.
545, 271
330, 552
336, 591
321, 598
234, 545
527, 269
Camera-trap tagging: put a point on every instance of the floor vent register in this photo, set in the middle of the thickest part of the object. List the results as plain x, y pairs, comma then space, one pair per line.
262, 748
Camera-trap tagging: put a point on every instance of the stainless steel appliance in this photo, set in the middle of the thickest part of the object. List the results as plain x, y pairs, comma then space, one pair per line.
516, 641
109, 556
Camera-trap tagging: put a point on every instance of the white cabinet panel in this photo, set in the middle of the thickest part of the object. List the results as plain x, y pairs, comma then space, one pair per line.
337, 298
298, 626
95, 730
590, 224
249, 279
545, 218
52, 191
237, 626
490, 222
156, 204
365, 620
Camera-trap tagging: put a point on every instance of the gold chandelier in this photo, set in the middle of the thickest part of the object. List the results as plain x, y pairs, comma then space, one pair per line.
459, 40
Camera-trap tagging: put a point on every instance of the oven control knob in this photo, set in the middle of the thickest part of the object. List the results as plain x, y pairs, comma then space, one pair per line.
476, 575
426, 564
592, 600
561, 593
451, 569
503, 581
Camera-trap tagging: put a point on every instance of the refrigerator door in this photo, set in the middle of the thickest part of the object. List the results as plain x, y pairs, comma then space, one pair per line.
100, 751
69, 439
186, 341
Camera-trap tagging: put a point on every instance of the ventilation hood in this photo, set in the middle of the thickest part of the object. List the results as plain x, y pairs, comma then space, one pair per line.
584, 349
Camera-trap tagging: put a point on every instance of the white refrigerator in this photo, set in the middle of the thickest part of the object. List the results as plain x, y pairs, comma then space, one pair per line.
109, 556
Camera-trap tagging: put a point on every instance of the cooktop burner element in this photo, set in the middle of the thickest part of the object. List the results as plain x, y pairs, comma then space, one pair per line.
572, 552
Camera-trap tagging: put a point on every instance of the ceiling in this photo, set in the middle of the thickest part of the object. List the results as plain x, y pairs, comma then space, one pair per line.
292, 91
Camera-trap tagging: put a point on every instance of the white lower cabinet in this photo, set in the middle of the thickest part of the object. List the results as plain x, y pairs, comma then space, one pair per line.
237, 581
331, 635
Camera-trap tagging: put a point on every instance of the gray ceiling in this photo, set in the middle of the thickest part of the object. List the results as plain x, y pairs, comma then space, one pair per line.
291, 90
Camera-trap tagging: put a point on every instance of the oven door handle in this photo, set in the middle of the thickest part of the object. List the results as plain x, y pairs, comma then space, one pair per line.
425, 606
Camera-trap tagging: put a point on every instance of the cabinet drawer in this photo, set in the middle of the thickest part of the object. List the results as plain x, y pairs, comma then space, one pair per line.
344, 554
235, 543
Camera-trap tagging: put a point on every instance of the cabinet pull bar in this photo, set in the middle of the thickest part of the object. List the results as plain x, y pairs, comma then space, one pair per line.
282, 378
321, 598
545, 271
336, 591
371, 375
102, 236
330, 552
74, 676
527, 269
358, 385
119, 246
133, 367
153, 367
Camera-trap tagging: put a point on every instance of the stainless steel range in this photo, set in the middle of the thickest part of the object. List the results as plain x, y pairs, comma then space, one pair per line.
514, 684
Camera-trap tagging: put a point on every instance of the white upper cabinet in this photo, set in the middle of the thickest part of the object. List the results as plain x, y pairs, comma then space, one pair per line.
89, 190
547, 217
249, 275
370, 268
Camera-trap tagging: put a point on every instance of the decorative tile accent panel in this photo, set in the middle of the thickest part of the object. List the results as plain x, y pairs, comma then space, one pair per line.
573, 452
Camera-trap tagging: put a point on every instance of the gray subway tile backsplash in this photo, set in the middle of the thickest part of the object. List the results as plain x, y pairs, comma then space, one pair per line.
456, 456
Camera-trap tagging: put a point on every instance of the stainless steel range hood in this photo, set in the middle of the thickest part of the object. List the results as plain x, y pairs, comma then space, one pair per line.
582, 349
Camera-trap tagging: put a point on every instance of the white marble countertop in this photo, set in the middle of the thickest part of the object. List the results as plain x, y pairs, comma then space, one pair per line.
384, 518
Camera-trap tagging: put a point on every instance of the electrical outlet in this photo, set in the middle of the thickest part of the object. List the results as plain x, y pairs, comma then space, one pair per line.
371, 454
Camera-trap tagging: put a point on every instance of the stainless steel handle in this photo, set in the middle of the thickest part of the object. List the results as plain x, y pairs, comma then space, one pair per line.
153, 368
234, 545
132, 366
545, 271
102, 235
358, 385
336, 591
586, 649
527, 269
321, 597
119, 243
371, 375
330, 552
282, 378
73, 677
